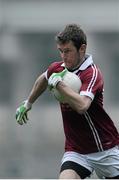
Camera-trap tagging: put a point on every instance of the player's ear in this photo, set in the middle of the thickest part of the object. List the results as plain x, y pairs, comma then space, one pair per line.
82, 49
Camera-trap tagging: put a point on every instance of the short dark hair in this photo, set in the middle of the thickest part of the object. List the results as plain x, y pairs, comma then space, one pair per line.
72, 32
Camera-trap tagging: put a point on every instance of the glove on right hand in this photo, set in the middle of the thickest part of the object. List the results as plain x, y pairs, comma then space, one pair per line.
55, 78
21, 112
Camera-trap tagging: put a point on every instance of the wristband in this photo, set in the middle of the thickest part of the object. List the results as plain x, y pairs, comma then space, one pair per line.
27, 104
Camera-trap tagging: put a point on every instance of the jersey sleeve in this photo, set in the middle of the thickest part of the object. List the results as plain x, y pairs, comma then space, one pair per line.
92, 82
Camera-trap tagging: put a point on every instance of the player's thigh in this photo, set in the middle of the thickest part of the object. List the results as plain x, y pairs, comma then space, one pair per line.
72, 170
76, 162
69, 174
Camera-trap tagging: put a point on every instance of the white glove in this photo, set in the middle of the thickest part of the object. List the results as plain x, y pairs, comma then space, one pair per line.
55, 78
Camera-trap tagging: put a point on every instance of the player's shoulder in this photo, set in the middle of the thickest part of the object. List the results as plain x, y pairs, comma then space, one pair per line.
55, 67
55, 64
91, 70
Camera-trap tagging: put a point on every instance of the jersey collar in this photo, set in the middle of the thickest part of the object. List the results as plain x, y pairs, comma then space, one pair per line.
88, 61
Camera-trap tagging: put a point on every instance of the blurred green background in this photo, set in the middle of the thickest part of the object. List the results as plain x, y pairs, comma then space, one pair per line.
27, 47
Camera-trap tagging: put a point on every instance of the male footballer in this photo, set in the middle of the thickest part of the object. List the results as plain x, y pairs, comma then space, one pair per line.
92, 140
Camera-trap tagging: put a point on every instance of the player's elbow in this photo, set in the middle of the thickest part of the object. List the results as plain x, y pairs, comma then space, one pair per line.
82, 109
83, 106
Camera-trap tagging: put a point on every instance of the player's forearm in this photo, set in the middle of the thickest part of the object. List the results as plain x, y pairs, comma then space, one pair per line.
77, 102
38, 88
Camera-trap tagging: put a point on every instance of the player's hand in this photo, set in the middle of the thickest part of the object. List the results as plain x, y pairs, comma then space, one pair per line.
55, 78
21, 112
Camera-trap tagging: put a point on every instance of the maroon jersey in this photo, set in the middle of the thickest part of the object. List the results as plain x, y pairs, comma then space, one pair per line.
94, 130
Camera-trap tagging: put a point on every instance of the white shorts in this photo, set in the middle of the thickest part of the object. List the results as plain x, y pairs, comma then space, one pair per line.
105, 164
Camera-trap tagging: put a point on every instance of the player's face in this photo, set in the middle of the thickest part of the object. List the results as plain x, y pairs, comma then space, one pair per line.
70, 55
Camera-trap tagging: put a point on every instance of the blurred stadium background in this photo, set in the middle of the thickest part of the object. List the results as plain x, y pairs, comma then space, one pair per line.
27, 47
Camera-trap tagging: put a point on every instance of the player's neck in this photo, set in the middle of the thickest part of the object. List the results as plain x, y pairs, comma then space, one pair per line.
78, 65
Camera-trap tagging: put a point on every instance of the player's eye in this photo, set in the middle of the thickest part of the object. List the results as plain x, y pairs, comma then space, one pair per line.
65, 51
